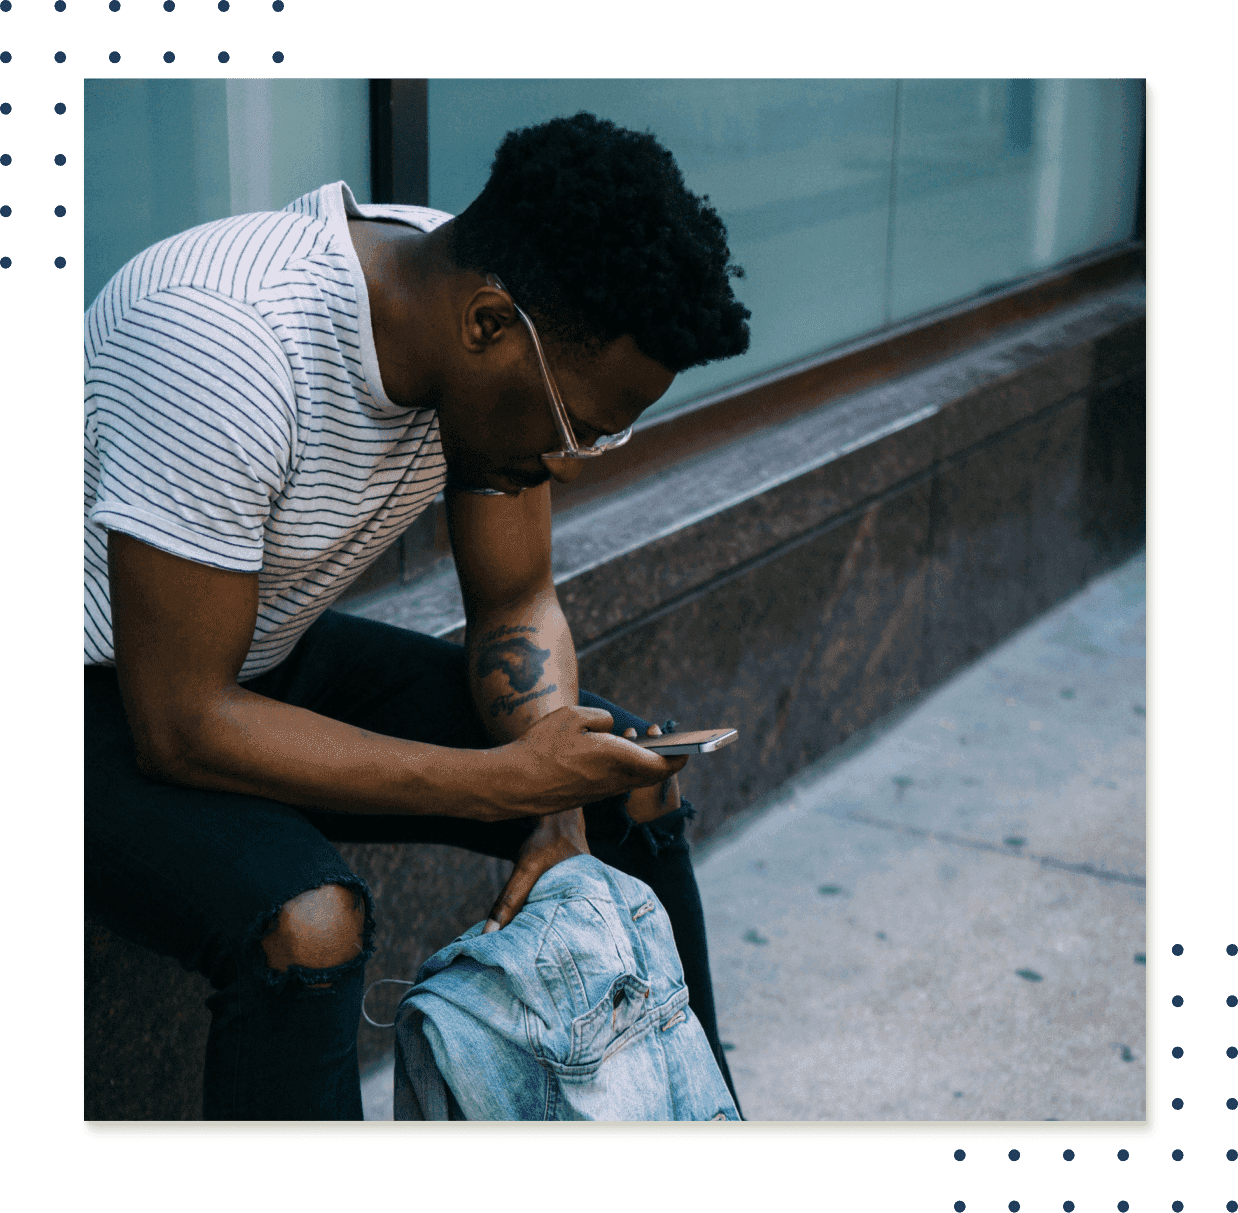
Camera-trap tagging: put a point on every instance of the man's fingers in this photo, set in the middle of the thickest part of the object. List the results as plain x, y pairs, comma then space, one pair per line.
596, 720
515, 893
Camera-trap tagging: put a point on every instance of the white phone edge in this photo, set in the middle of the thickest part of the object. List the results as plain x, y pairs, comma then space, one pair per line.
703, 747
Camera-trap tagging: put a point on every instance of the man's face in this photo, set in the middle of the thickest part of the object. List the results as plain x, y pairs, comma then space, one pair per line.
501, 447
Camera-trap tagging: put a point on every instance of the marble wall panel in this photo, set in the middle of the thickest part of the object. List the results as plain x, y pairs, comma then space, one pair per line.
1042, 365
643, 580
1120, 349
797, 654
1059, 555
978, 569
144, 1032
1115, 467
980, 415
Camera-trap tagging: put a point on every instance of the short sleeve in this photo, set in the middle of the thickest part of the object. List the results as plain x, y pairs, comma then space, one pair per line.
191, 413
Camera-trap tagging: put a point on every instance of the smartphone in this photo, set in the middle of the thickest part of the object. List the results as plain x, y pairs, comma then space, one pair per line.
703, 741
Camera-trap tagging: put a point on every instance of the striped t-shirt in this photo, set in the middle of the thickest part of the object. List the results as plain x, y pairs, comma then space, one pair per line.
235, 415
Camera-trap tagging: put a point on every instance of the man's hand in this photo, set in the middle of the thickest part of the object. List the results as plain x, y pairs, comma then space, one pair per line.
569, 758
554, 839
562, 835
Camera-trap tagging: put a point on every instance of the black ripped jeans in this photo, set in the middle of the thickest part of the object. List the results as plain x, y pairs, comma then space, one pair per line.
201, 875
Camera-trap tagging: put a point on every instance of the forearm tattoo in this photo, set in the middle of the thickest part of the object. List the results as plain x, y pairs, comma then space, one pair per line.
510, 651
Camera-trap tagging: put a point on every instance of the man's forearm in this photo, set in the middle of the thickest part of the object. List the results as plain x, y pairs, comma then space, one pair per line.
522, 664
243, 742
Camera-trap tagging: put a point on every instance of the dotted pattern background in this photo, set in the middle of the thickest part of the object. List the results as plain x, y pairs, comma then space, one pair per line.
1184, 1158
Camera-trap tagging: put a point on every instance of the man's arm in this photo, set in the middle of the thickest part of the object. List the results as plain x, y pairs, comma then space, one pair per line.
181, 632
521, 658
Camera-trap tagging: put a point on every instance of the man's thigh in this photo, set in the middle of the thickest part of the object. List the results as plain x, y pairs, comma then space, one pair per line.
187, 872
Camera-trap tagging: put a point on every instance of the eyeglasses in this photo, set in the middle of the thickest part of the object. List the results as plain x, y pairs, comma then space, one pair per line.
571, 448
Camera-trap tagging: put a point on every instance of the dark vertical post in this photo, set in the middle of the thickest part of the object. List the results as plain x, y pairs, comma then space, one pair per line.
399, 142
380, 141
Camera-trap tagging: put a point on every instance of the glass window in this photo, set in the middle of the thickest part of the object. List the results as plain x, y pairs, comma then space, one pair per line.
998, 179
165, 155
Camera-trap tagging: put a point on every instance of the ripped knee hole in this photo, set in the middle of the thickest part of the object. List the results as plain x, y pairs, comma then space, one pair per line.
319, 929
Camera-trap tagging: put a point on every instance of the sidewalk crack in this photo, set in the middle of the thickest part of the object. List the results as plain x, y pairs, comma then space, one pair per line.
977, 844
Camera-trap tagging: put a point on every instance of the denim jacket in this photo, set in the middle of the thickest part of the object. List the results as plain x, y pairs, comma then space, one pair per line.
576, 1010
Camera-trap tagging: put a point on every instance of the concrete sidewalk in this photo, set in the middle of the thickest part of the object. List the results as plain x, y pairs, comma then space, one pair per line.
944, 919
946, 922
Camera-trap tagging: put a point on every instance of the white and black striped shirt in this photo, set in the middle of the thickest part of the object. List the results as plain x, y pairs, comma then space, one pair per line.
235, 415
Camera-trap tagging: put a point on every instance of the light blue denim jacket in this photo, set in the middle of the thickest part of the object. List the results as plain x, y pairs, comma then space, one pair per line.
576, 1010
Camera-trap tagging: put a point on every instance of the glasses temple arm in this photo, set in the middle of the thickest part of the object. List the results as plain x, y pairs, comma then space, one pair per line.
556, 401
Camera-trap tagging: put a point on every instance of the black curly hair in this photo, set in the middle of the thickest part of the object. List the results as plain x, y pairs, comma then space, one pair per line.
591, 228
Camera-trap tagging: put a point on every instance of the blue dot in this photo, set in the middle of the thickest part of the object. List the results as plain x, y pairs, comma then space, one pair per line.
1231, 1052
168, 6
114, 56
5, 57
60, 6
4, 263
6, 108
1123, 1206
5, 6
1176, 1105
1177, 1000
1068, 1206
223, 56
60, 56
278, 56
959, 1206
1013, 1156
59, 212
1068, 1155
1123, 1155
1232, 1001
5, 211
60, 107
6, 160
959, 1155
1232, 1155
1232, 950
115, 6
278, 6
1232, 1206
223, 6
1231, 1103
1176, 1206
1013, 1206
1176, 1156
168, 57
60, 263
60, 159
1176, 949
1177, 1050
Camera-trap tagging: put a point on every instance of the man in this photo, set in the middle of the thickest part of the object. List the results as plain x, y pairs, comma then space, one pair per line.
271, 399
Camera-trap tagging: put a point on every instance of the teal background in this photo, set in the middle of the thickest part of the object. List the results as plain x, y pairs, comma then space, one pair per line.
52, 1165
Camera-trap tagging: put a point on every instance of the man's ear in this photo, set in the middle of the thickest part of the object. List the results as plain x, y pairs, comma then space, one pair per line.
487, 313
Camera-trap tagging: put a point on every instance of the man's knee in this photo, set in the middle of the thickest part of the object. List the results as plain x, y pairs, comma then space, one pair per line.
318, 929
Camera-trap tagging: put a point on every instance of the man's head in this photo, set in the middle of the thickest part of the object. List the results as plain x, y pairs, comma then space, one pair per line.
624, 272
